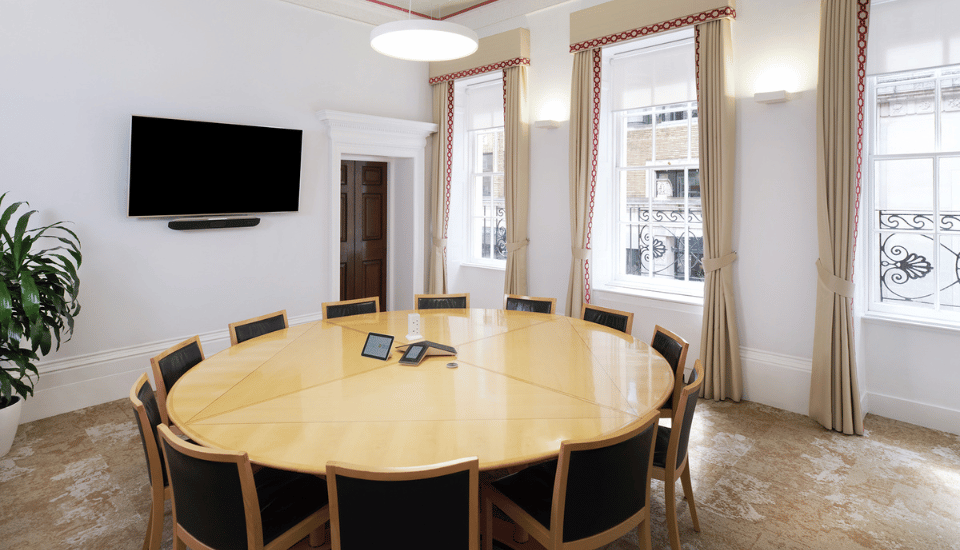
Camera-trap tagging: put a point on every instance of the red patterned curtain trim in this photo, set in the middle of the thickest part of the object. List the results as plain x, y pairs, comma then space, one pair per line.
597, 63
448, 176
863, 16
481, 70
695, 19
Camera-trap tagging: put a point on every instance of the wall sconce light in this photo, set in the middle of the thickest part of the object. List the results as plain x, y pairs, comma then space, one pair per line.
549, 124
779, 96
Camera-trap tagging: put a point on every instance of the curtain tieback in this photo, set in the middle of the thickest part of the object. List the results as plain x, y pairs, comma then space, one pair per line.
513, 247
581, 253
713, 264
833, 283
439, 243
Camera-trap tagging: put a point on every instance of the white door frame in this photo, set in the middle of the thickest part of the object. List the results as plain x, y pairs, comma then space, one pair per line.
402, 144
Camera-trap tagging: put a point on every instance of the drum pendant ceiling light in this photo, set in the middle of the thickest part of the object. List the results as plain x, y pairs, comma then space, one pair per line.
423, 39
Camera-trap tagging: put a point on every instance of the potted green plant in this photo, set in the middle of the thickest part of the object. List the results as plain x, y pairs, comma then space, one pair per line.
38, 302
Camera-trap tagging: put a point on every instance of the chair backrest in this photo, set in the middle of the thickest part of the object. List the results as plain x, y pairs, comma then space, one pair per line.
368, 508
513, 302
674, 349
147, 415
613, 318
442, 301
346, 308
241, 331
683, 416
170, 365
214, 495
603, 484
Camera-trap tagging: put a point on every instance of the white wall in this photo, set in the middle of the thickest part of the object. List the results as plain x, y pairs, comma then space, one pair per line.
74, 73
776, 47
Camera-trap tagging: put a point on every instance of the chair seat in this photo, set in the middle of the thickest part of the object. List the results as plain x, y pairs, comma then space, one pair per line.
660, 451
286, 499
532, 490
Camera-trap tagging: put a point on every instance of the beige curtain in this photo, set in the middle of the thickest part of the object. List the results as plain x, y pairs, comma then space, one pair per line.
583, 129
834, 396
516, 176
440, 186
719, 340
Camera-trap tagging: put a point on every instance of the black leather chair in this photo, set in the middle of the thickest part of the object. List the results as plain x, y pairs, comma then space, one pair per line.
442, 301
513, 302
170, 365
613, 318
670, 455
219, 503
147, 415
593, 494
674, 349
381, 508
241, 331
346, 308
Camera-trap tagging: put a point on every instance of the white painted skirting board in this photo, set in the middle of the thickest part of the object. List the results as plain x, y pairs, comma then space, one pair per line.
76, 382
913, 412
777, 380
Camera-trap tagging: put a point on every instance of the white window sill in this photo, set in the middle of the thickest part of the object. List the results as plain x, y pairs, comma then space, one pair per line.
879, 318
501, 267
652, 298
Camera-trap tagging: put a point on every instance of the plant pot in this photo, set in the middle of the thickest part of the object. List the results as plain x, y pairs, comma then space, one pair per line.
9, 420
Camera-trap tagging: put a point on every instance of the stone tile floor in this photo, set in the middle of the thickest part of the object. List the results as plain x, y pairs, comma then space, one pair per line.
763, 478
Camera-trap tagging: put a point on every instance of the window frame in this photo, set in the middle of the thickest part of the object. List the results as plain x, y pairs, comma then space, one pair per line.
466, 156
873, 230
474, 199
609, 265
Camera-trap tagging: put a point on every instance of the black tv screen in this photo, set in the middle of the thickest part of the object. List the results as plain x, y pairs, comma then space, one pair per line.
192, 168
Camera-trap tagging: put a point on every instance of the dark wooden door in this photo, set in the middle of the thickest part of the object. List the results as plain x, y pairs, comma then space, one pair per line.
363, 230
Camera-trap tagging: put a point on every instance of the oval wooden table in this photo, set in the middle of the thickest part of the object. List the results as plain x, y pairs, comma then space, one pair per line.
300, 397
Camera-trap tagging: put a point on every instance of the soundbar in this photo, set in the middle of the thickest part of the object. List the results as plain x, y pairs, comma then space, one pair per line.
189, 224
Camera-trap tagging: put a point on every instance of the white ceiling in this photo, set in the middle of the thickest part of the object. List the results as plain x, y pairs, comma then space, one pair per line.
473, 13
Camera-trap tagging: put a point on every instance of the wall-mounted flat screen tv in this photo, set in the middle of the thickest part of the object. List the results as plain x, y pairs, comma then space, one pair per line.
192, 168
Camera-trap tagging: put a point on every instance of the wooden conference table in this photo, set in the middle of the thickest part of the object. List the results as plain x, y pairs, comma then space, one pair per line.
299, 397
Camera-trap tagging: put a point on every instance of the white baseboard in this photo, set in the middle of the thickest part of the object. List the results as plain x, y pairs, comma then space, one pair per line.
914, 412
777, 380
83, 381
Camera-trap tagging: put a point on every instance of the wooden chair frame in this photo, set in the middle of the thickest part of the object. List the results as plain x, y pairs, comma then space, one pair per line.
312, 525
671, 472
325, 305
627, 314
416, 298
681, 366
158, 493
553, 301
232, 327
471, 465
552, 539
158, 374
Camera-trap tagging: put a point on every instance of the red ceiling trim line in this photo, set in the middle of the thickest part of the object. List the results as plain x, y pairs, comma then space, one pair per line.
481, 70
465, 10
398, 8
680, 22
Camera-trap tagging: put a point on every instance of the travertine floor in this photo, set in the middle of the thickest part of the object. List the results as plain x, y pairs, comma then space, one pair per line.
763, 478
